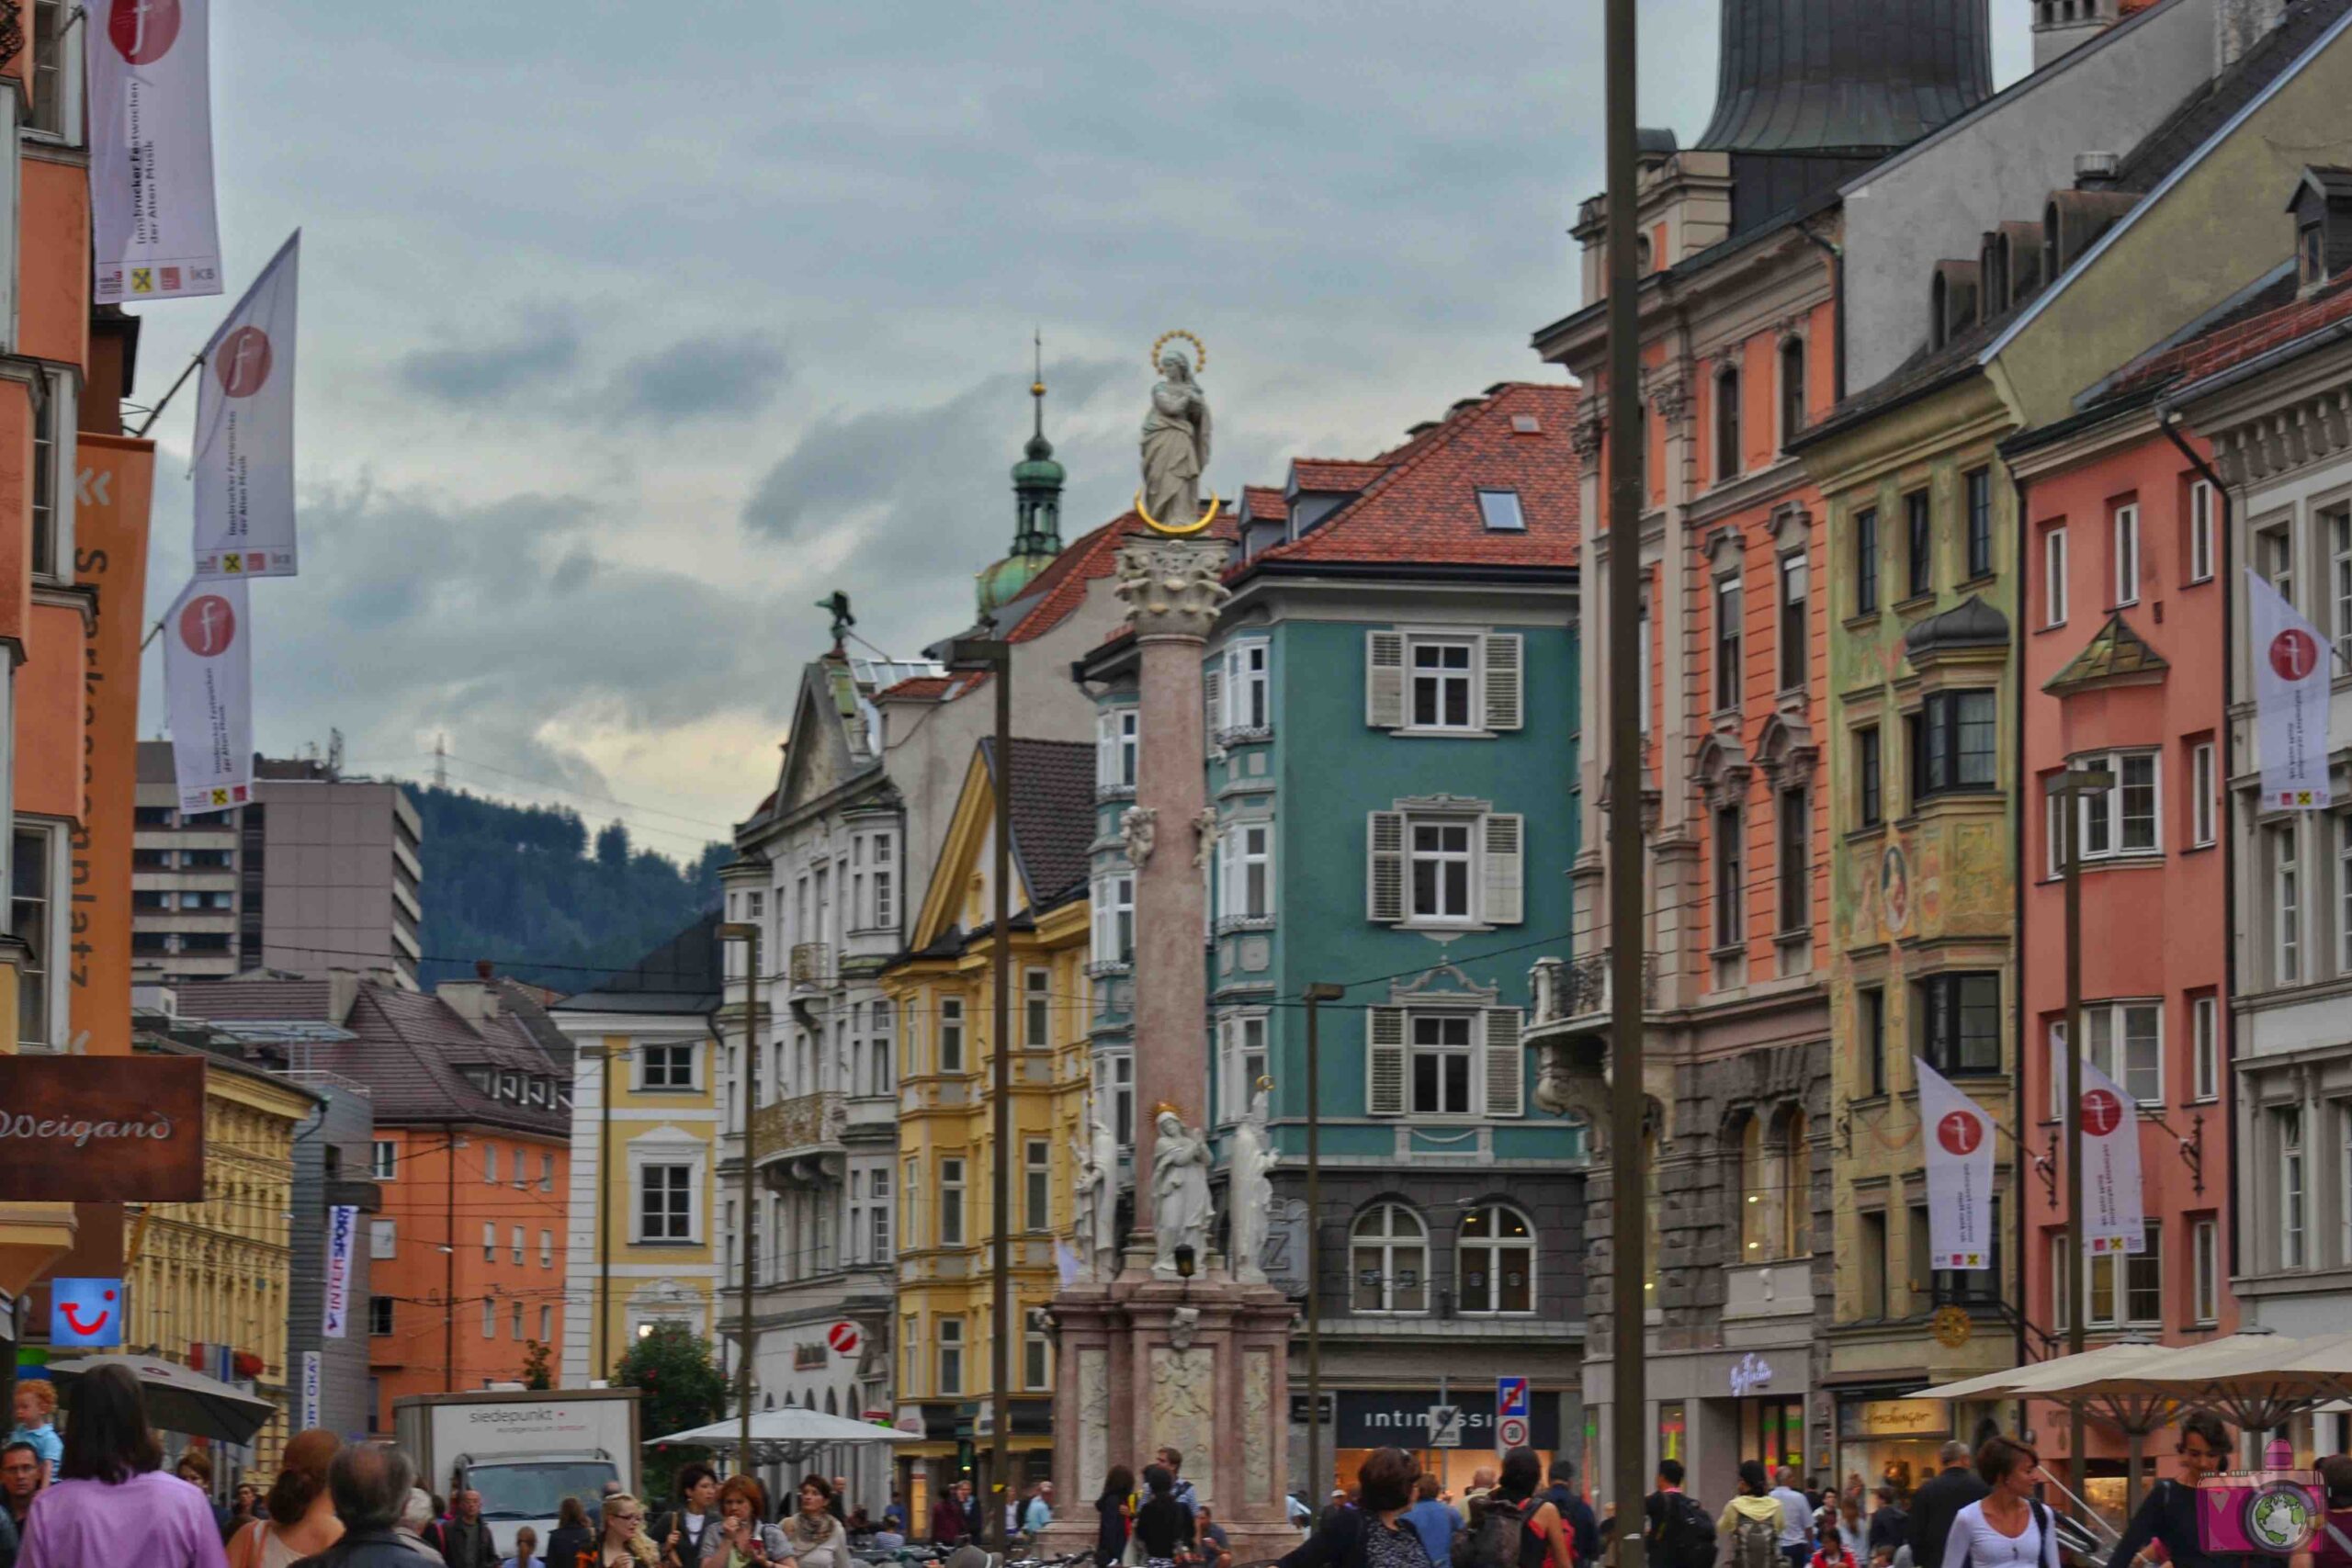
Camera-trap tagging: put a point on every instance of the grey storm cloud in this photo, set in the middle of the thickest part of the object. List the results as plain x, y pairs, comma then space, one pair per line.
473, 373
735, 376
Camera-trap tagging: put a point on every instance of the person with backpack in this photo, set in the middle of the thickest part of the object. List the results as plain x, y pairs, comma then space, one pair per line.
2009, 1527
2167, 1515
1753, 1521
1516, 1527
1676, 1531
1584, 1529
1375, 1533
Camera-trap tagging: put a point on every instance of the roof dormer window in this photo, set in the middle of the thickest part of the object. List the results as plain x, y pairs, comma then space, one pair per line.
2322, 213
510, 1086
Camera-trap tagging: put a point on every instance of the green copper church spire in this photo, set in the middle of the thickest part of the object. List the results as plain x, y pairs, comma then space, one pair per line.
1037, 507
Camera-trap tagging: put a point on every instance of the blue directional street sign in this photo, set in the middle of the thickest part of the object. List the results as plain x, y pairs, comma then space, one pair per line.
1510, 1398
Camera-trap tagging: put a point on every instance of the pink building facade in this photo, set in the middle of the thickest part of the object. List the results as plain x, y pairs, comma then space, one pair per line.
2123, 634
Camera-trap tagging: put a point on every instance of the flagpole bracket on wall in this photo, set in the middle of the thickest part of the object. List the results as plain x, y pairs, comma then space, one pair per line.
2192, 1153
2046, 1166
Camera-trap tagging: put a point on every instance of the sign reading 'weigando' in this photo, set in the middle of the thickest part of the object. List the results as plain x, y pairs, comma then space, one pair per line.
102, 1128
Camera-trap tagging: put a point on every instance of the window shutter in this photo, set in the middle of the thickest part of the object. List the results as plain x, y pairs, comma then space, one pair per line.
1384, 1093
1106, 747
1384, 888
1213, 697
1502, 659
1502, 846
1384, 680
1229, 871
1506, 1063
1224, 1068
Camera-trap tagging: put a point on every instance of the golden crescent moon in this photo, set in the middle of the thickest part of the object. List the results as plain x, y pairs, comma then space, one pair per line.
1200, 349
1156, 526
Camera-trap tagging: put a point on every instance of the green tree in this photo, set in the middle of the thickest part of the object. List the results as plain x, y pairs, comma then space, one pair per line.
682, 1387
536, 1371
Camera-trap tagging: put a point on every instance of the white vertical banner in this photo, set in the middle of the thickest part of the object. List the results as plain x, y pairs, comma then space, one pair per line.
1959, 1138
313, 1380
209, 693
342, 1224
154, 230
2114, 1214
2290, 681
245, 431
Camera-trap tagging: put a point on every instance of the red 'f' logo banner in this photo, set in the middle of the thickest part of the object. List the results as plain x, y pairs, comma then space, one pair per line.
242, 362
143, 30
1960, 1132
2102, 1112
207, 625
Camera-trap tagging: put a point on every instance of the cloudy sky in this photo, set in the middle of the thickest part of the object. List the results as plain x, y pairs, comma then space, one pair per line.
629, 332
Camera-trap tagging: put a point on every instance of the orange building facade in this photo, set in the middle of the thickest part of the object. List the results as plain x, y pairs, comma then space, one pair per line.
73, 544
2126, 588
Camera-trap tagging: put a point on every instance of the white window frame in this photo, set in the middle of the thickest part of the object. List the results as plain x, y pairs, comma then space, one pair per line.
2339, 521
490, 1241
1441, 858
951, 1170
2285, 876
383, 1159
1242, 1058
1036, 1184
2205, 1272
1036, 1360
546, 1173
2344, 893
55, 408
878, 1225
2204, 797
910, 1232
1247, 694
546, 1324
69, 70
947, 1332
55, 971
547, 1249
2125, 533
489, 1163
2344, 1183
1117, 732
1246, 848
1444, 1052
1494, 681
882, 881
1114, 916
517, 1243
2204, 1049
2053, 576
2273, 556
1388, 1241
2145, 1080
2294, 1188
383, 1238
648, 1081
667, 1147
1115, 1081
2115, 1269
952, 1027
1496, 1248
1442, 679
2105, 808
488, 1317
1036, 1008
2201, 530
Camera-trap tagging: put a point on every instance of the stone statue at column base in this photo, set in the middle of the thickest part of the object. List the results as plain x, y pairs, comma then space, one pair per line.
1180, 1194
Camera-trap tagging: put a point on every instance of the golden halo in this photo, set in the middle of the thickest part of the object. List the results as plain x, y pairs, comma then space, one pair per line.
1156, 526
1265, 1080
1168, 1108
1200, 350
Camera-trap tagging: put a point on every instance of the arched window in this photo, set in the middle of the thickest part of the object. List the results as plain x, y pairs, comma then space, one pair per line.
1792, 389
1389, 1261
1495, 1261
1726, 426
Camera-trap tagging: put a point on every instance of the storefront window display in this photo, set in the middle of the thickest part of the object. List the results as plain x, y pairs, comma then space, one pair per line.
1673, 1430
1369, 1419
1891, 1439
1772, 1428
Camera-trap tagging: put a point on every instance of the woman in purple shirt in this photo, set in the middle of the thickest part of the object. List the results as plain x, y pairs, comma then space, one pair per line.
115, 1503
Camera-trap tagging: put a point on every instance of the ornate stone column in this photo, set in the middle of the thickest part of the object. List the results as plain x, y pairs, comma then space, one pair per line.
1172, 588
1198, 1364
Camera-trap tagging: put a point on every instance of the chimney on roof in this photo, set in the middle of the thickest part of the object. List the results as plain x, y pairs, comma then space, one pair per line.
476, 1001
484, 969
2239, 25
2093, 170
2062, 26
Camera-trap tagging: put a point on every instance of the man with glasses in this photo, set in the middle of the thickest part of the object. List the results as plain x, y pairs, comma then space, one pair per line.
2167, 1515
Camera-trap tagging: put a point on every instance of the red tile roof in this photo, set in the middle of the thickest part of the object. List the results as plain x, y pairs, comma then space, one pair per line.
2239, 341
1422, 507
1327, 475
1062, 586
1264, 504
915, 688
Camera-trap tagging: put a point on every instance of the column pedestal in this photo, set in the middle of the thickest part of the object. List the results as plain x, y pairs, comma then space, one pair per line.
1201, 1366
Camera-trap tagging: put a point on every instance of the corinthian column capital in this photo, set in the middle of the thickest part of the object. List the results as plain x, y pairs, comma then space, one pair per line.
1172, 587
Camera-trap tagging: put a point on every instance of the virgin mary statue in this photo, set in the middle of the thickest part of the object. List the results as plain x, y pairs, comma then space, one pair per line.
1180, 1192
1175, 443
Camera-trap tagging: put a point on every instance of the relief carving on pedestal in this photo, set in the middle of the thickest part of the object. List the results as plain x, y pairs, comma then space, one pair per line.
1257, 1426
1184, 1391
1093, 1420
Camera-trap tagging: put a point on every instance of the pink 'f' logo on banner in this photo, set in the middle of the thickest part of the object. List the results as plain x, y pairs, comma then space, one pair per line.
2102, 1113
242, 362
207, 625
1960, 1132
143, 30
2294, 653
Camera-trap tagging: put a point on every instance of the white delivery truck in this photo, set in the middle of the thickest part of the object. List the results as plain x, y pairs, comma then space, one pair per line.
524, 1451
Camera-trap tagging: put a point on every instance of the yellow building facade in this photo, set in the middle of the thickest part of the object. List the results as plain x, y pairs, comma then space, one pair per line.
945, 998
646, 1226
219, 1271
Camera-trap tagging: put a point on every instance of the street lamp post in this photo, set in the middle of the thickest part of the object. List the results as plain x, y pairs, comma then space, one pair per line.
2071, 787
1316, 994
748, 934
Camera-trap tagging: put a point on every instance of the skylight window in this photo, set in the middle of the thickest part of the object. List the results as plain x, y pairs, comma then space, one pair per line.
1500, 510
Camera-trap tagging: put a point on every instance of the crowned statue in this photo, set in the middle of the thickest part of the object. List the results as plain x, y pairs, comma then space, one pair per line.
1175, 440
1095, 1157
1249, 1200
1180, 1192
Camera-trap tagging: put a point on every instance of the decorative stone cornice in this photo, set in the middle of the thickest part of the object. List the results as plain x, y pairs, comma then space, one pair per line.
1787, 752
1723, 547
1172, 587
1791, 526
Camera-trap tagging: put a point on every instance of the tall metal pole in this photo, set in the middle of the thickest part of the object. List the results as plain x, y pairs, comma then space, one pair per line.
449, 1263
996, 656
1628, 1265
606, 1202
748, 934
1316, 994
2071, 786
